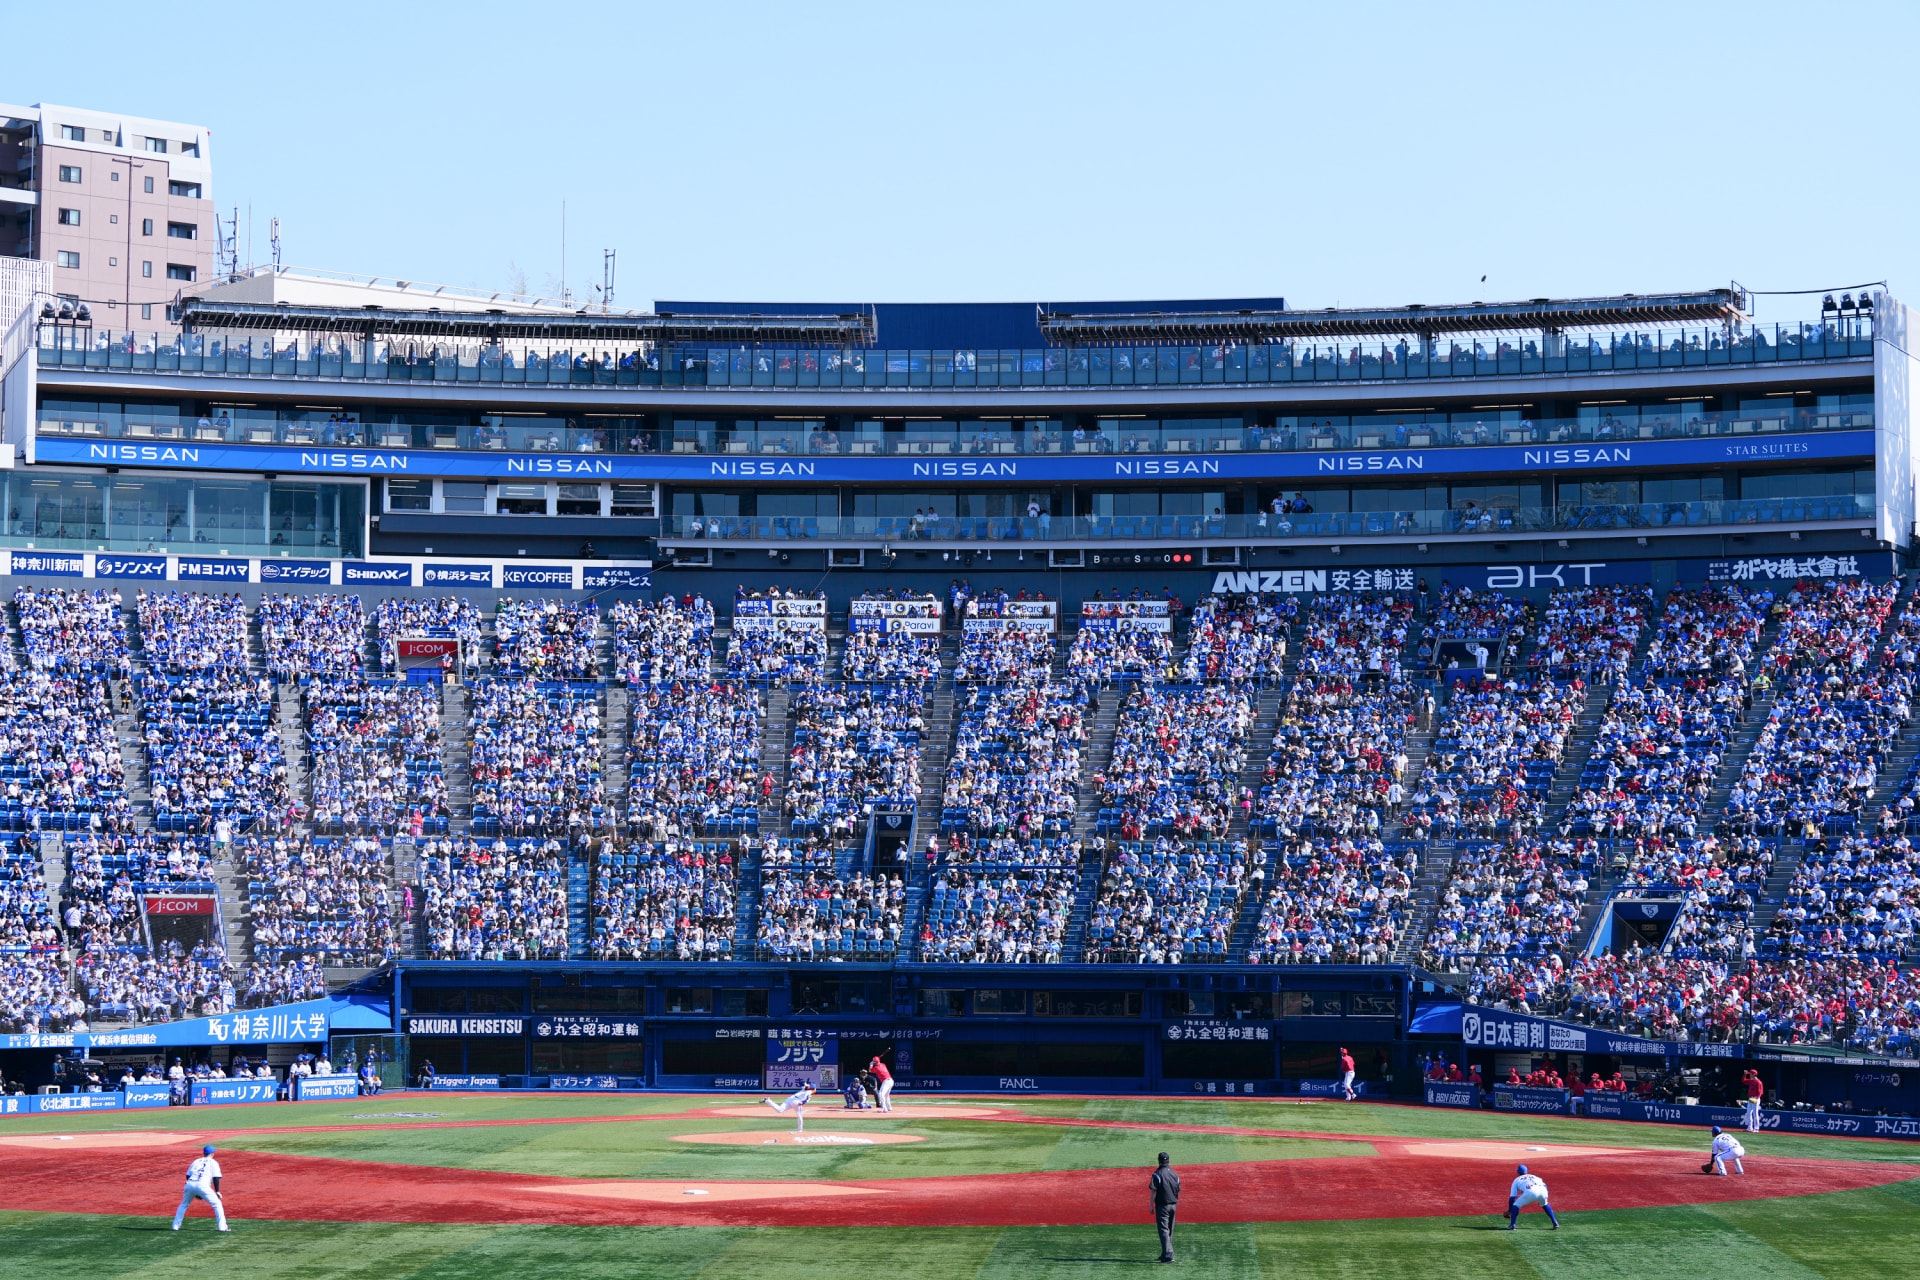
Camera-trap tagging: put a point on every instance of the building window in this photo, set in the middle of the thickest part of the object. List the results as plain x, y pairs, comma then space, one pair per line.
191, 149
184, 190
632, 500
175, 271
67, 258
157, 145
69, 217
69, 173
521, 500
146, 308
409, 495
463, 495
146, 226
72, 133
183, 230
578, 500
149, 186
113, 262
146, 269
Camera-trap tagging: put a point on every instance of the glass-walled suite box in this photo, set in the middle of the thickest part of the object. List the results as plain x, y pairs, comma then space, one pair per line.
213, 515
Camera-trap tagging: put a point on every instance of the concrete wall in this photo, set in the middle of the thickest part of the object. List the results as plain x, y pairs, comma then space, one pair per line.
1896, 379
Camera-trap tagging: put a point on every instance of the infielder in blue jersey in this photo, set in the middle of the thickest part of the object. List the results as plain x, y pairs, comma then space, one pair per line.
203, 1183
1528, 1189
1725, 1147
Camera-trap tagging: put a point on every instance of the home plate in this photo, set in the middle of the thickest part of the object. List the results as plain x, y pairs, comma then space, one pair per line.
96, 1141
762, 1138
676, 1192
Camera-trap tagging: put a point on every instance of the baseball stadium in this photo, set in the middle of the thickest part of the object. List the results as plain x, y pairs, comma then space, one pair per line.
740, 788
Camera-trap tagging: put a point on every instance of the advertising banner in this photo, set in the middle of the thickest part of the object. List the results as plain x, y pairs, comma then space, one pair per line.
220, 1092
1449, 1093
150, 567
181, 904
1761, 570
429, 647
316, 1088
1400, 464
614, 577
465, 1082
196, 569
796, 1060
377, 575
281, 1024
138, 1095
1539, 1102
1496, 1029
297, 571
583, 1084
1617, 1106
575, 1026
456, 575
57, 564
454, 1024
551, 577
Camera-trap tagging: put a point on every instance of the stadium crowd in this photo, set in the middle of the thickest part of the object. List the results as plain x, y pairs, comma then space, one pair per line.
495, 900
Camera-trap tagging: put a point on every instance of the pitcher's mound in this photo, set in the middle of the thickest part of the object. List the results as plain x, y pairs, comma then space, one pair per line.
1509, 1151
96, 1141
703, 1192
820, 1139
920, 1111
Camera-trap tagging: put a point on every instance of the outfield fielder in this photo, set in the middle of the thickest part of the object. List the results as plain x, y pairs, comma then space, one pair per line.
1725, 1147
1528, 1189
203, 1183
795, 1102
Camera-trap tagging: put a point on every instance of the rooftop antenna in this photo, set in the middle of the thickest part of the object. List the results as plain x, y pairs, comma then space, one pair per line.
563, 253
274, 234
228, 232
605, 286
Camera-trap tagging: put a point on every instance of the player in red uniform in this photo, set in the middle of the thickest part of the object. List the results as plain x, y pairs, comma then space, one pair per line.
885, 1092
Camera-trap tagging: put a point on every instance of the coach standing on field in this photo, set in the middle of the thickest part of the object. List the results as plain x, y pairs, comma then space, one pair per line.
1166, 1198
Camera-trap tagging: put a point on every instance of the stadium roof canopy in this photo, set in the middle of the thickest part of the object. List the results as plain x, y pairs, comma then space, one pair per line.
1539, 314
199, 314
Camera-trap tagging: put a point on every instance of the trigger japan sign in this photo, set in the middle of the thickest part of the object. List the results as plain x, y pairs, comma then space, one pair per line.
793, 1061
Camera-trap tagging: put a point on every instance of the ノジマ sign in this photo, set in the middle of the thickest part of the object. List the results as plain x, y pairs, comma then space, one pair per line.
793, 1061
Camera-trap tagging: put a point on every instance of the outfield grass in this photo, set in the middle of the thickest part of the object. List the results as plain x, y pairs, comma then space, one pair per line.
1845, 1235
1842, 1234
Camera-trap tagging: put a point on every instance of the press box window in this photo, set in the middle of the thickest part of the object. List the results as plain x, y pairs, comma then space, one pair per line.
632, 500
176, 271
69, 217
409, 495
521, 500
69, 173
578, 500
463, 496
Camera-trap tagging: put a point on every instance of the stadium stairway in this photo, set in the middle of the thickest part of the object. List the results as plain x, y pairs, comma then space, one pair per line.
456, 745
936, 749
1251, 905
291, 725
53, 872
127, 732
1767, 903
1097, 758
1073, 942
1737, 752
746, 902
236, 917
614, 724
406, 878
1600, 887
1573, 759
1436, 869
1259, 744
579, 905
775, 753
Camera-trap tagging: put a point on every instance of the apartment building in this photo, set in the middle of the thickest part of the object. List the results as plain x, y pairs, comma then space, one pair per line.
120, 208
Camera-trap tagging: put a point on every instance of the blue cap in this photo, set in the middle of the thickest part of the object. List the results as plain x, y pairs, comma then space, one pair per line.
207, 1150
1716, 1129
1521, 1169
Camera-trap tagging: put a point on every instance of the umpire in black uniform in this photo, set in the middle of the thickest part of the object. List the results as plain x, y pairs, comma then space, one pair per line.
1166, 1199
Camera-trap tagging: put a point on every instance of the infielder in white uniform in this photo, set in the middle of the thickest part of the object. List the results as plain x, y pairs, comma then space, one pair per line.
1528, 1189
203, 1183
797, 1103
1725, 1147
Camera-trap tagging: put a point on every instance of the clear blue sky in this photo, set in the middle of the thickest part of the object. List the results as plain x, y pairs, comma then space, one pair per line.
1335, 154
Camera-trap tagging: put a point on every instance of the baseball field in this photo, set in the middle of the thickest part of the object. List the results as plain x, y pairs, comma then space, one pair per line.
521, 1187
